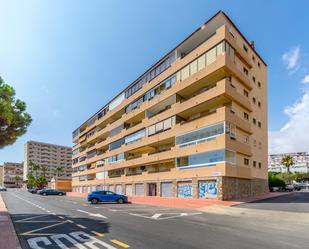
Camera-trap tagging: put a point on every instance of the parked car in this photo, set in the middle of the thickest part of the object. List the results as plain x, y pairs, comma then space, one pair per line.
51, 192
289, 188
2, 188
33, 190
106, 196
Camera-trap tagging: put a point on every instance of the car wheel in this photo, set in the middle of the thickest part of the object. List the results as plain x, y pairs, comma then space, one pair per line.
44, 194
94, 201
60, 194
120, 201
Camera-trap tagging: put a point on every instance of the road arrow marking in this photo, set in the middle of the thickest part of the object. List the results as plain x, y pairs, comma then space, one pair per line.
91, 214
156, 216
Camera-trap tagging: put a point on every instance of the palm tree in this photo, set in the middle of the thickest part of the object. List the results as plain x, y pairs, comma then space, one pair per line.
58, 170
44, 168
287, 161
17, 178
34, 167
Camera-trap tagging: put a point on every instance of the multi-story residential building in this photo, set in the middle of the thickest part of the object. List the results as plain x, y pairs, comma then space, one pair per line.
193, 125
1, 175
12, 175
49, 156
301, 162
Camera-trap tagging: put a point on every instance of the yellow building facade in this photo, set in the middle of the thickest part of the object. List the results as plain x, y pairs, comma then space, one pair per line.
192, 126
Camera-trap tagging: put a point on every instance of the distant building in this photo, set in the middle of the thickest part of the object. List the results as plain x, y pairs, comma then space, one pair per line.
1, 175
12, 175
49, 155
301, 162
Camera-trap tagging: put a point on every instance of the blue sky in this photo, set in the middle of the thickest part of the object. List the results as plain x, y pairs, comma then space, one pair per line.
66, 59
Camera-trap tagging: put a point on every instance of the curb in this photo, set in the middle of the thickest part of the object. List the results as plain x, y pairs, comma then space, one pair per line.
11, 225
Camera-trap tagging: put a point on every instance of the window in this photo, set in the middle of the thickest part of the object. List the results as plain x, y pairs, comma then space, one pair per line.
253, 58
253, 78
254, 121
200, 135
254, 100
246, 161
205, 159
246, 72
254, 143
259, 104
246, 139
116, 130
116, 144
246, 116
245, 48
246, 93
260, 165
254, 164
259, 64
161, 126
135, 136
158, 89
116, 158
230, 129
259, 124
260, 145
150, 75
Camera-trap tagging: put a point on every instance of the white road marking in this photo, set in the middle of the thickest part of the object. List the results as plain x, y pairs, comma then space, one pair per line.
57, 238
90, 241
33, 217
91, 214
156, 216
42, 228
33, 242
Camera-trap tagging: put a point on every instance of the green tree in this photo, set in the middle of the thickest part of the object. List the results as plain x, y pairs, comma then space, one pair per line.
299, 177
14, 121
17, 181
274, 180
58, 170
44, 169
34, 168
287, 161
31, 181
41, 182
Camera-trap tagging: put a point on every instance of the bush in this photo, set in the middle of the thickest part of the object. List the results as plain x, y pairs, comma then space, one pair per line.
274, 180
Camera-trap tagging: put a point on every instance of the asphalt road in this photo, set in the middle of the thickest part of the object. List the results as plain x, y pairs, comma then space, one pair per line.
66, 222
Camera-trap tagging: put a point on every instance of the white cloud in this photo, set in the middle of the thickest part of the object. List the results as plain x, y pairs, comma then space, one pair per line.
294, 135
291, 59
306, 79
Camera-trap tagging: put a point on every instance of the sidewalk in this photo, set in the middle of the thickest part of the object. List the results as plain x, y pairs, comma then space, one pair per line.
8, 237
187, 202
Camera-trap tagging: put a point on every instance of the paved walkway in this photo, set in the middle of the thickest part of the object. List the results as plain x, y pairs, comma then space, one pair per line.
186, 202
8, 238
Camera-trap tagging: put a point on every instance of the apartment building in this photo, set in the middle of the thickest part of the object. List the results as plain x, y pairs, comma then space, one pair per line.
193, 125
301, 162
1, 175
12, 175
48, 156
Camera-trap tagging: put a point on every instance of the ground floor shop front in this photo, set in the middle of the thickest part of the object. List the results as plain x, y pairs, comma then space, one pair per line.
221, 187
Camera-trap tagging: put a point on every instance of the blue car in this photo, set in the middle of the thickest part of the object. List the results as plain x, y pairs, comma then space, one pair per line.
106, 196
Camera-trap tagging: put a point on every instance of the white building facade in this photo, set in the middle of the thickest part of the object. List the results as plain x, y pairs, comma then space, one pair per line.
301, 162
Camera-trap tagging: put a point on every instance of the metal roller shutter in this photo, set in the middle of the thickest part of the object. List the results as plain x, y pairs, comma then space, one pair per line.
166, 189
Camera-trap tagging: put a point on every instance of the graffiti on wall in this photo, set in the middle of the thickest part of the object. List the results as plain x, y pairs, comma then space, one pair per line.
184, 190
207, 189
